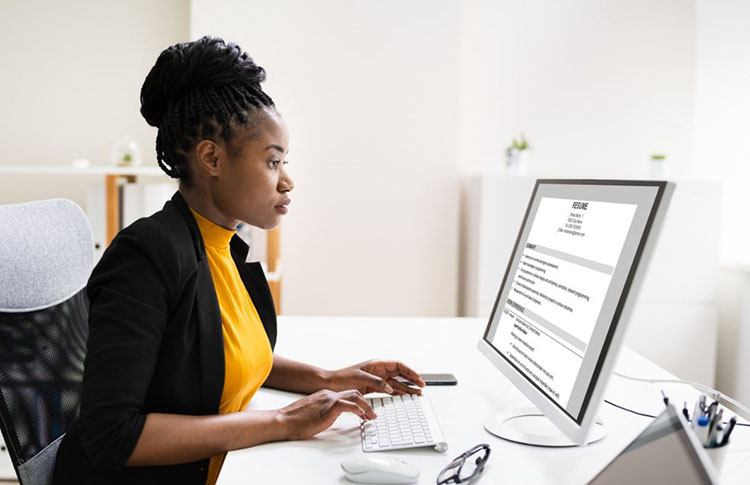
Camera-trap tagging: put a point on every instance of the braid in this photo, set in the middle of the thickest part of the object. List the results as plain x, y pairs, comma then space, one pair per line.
196, 90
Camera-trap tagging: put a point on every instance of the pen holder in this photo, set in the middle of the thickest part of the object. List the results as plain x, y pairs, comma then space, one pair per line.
718, 456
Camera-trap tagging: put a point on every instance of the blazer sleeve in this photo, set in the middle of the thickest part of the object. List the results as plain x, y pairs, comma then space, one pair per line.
129, 293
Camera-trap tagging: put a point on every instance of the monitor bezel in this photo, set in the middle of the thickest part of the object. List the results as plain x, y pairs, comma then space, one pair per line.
577, 430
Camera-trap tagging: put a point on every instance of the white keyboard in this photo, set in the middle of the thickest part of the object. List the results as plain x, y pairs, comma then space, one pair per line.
406, 421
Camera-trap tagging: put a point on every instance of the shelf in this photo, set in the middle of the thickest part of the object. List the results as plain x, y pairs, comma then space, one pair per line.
70, 170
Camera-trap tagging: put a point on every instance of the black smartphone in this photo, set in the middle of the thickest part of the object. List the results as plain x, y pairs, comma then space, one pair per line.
439, 379
433, 380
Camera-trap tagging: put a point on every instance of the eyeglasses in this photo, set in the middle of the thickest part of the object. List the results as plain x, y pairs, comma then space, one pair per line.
455, 472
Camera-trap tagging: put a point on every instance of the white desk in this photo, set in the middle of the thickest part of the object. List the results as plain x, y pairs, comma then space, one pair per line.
447, 345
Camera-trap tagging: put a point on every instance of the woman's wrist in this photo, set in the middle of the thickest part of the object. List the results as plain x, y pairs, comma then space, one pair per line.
281, 424
254, 428
325, 379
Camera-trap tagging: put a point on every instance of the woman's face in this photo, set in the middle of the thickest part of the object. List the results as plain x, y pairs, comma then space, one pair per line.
253, 186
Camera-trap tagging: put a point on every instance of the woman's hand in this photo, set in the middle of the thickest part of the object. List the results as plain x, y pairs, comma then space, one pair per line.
311, 415
375, 376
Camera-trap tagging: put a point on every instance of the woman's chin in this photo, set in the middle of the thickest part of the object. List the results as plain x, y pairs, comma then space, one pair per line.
270, 225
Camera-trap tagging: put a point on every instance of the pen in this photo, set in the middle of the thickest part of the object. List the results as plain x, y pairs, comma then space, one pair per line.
713, 435
728, 430
702, 403
717, 419
718, 436
712, 410
685, 412
696, 413
702, 430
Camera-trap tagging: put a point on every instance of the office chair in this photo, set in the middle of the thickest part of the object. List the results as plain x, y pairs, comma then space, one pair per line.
46, 255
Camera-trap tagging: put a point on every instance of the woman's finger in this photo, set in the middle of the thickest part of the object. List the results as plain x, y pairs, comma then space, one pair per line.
377, 384
357, 398
403, 388
409, 374
343, 405
395, 368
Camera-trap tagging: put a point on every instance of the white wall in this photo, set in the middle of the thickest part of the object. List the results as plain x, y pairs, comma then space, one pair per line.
596, 87
388, 101
722, 113
70, 84
722, 151
369, 91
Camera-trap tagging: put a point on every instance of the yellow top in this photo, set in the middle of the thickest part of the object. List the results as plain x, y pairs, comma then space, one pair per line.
247, 351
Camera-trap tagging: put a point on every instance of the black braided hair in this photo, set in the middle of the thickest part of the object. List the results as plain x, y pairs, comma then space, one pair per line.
195, 91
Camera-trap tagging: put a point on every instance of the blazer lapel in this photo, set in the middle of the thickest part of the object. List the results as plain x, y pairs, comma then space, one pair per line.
211, 338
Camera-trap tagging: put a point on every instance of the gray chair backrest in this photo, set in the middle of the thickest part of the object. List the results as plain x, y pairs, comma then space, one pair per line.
46, 251
46, 256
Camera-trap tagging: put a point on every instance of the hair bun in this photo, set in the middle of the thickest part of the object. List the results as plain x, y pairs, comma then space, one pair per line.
204, 63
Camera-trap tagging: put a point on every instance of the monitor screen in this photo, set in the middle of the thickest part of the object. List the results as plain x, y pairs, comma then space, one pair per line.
566, 282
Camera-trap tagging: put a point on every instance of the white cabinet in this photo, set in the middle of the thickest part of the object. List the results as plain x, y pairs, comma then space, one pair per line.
675, 320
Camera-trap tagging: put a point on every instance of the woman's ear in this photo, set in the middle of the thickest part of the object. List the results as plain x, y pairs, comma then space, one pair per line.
208, 156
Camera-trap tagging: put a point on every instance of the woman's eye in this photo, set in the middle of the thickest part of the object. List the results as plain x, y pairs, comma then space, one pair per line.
273, 163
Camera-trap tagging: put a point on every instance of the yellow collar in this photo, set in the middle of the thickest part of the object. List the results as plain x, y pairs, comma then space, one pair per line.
213, 234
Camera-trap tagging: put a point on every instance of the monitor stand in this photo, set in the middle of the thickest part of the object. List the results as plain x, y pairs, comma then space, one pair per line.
531, 427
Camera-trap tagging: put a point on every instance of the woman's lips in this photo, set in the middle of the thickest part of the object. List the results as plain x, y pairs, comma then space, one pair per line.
282, 208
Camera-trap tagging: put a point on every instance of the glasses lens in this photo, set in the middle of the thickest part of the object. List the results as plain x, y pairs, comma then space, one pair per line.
450, 471
474, 464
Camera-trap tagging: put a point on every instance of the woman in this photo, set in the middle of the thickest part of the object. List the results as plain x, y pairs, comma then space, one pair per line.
181, 328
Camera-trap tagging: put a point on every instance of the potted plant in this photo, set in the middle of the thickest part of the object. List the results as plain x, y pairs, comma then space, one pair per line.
657, 165
125, 152
516, 156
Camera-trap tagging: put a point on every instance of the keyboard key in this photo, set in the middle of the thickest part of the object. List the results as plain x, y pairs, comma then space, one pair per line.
401, 423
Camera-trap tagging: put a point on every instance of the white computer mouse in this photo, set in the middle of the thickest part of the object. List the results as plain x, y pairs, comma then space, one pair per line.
379, 469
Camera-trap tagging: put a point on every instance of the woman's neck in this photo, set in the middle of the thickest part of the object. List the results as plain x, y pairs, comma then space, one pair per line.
202, 203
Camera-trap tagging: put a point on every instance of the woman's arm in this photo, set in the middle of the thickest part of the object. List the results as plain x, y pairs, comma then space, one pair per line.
168, 439
371, 376
293, 376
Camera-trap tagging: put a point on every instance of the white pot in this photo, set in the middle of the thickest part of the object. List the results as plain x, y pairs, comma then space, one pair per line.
657, 169
516, 162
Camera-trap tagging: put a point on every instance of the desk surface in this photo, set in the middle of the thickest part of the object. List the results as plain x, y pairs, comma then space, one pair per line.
448, 345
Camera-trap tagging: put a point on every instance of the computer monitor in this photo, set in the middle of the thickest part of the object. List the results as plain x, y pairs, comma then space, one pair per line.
559, 318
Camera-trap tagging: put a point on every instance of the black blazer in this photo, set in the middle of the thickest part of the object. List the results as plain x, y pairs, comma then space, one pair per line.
155, 345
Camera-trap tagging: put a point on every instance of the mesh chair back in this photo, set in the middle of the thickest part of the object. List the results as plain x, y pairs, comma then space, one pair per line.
46, 255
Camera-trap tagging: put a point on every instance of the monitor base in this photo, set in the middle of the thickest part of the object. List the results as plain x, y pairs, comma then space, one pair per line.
529, 426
